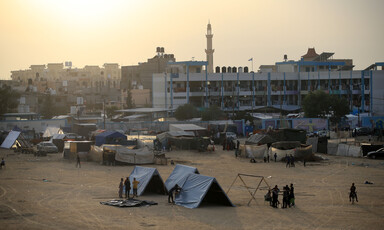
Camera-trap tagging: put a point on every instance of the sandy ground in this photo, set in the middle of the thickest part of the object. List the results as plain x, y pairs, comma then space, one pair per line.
69, 197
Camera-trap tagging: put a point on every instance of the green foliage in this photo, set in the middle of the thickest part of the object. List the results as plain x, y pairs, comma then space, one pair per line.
212, 113
320, 104
186, 112
8, 99
111, 111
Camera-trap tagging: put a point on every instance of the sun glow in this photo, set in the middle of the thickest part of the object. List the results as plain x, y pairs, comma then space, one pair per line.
82, 12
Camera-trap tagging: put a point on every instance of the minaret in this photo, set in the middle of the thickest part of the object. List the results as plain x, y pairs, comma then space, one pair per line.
209, 51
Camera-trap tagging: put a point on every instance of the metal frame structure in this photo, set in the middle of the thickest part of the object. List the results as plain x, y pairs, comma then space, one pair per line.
247, 187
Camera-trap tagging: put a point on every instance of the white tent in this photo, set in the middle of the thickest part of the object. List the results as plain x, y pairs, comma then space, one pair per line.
131, 156
51, 130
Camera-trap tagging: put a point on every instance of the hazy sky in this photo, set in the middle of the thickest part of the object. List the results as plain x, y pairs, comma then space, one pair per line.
94, 32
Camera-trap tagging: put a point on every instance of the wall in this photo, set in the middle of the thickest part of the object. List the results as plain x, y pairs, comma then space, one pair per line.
38, 125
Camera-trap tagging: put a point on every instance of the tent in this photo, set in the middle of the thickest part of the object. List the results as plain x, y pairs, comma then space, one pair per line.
58, 140
15, 137
259, 139
179, 175
51, 130
199, 189
110, 137
149, 180
132, 156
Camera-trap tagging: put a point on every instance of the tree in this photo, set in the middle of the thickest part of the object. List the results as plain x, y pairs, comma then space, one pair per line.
111, 111
320, 104
8, 99
212, 113
186, 112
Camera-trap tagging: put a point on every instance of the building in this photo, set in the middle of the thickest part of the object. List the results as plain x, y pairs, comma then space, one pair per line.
240, 91
54, 76
209, 51
140, 76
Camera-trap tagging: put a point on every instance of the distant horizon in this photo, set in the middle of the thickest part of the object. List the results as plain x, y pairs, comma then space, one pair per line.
38, 32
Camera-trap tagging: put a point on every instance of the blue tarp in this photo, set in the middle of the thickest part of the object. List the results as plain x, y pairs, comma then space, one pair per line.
108, 137
149, 180
198, 188
179, 175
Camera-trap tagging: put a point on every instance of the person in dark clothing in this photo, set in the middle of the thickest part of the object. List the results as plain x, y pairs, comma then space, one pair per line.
78, 161
2, 164
275, 196
176, 189
268, 158
275, 156
121, 185
224, 144
292, 160
127, 185
237, 144
285, 196
288, 159
291, 196
353, 194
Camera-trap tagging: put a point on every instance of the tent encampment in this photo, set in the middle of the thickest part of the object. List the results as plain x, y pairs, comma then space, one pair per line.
51, 130
110, 137
199, 189
149, 180
179, 175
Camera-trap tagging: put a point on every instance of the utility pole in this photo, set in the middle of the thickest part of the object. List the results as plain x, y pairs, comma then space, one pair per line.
104, 111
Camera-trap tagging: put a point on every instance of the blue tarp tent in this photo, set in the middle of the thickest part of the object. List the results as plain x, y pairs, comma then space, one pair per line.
149, 180
199, 189
179, 175
110, 137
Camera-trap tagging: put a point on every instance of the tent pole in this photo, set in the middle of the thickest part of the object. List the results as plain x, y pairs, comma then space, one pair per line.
232, 183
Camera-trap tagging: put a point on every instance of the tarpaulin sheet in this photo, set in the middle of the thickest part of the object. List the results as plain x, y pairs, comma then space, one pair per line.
179, 175
10, 139
280, 154
144, 176
132, 156
196, 187
255, 151
128, 203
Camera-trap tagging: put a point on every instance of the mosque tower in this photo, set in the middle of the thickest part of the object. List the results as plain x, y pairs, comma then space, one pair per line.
209, 51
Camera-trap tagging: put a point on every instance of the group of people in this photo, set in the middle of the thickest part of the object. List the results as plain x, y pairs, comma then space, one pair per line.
125, 185
288, 196
290, 161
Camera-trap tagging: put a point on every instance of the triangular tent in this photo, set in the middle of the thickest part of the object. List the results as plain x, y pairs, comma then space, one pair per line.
199, 189
150, 180
10, 139
109, 137
51, 130
179, 175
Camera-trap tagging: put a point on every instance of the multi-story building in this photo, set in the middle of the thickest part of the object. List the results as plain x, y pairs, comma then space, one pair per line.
54, 76
140, 76
186, 83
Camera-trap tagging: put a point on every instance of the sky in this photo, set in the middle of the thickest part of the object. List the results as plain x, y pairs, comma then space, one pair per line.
94, 32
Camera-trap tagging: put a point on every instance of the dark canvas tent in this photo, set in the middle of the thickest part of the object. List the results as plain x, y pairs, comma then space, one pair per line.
179, 175
150, 180
110, 137
199, 189
259, 139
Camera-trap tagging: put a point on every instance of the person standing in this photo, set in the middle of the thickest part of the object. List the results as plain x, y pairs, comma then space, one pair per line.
127, 185
292, 160
176, 189
121, 186
268, 157
2, 164
275, 196
353, 193
78, 165
135, 183
275, 156
285, 196
291, 196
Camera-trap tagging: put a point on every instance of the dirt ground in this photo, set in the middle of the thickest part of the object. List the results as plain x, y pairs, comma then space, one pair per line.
50, 193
